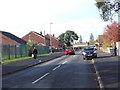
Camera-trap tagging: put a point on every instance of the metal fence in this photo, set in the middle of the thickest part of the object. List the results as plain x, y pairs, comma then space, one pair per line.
42, 49
17, 51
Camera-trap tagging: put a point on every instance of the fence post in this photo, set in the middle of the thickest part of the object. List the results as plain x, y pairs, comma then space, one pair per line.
8, 51
21, 50
0, 52
27, 52
15, 52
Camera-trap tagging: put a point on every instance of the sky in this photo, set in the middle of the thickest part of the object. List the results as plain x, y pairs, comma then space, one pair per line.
20, 17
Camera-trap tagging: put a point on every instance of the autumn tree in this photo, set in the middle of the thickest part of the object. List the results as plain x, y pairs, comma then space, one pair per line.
112, 33
105, 42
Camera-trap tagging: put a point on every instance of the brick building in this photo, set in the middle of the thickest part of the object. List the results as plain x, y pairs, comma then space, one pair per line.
55, 42
38, 38
100, 39
8, 38
61, 44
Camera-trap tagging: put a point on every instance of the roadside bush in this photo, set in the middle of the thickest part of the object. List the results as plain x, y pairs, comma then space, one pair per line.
31, 45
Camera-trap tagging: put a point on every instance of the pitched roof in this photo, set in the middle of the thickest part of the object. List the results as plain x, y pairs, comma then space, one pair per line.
40, 35
13, 37
52, 36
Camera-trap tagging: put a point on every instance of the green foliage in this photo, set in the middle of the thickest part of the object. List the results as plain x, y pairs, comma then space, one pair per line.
108, 9
91, 41
31, 45
68, 37
61, 37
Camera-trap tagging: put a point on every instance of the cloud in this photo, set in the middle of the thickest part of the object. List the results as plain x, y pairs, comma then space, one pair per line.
82, 27
28, 11
22, 16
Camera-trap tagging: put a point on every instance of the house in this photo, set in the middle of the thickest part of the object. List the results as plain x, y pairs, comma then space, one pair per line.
61, 44
100, 39
79, 44
38, 38
8, 38
55, 43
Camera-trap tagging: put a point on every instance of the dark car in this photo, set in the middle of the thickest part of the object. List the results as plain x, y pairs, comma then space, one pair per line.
69, 51
89, 52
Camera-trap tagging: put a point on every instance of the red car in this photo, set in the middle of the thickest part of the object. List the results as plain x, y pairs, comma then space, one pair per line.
69, 51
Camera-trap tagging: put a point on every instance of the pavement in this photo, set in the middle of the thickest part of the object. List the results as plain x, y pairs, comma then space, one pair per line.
21, 65
106, 67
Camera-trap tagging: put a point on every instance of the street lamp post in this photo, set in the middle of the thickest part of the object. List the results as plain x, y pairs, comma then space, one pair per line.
50, 39
44, 38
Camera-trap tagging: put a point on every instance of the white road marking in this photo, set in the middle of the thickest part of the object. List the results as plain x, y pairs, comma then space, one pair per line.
64, 62
56, 67
74, 56
40, 78
40, 61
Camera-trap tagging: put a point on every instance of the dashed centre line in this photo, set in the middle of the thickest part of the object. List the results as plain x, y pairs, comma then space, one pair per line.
48, 73
40, 78
56, 67
64, 62
74, 56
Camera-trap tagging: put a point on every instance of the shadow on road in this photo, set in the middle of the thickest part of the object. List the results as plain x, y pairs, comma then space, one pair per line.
104, 56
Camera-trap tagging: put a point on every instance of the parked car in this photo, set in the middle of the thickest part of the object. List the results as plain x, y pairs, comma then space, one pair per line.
89, 52
94, 47
69, 51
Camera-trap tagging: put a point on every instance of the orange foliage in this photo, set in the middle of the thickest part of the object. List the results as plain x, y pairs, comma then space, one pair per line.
112, 33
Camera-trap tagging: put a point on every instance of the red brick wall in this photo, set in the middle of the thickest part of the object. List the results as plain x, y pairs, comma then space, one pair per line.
55, 42
34, 37
61, 45
6, 40
47, 42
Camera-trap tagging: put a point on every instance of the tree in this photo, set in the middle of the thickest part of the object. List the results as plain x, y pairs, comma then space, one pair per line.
105, 42
91, 41
61, 37
108, 8
68, 37
31, 45
80, 40
112, 33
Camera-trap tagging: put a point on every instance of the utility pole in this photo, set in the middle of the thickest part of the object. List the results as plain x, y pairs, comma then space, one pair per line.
50, 39
44, 38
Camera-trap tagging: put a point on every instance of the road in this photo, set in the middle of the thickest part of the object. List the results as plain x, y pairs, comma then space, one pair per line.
68, 71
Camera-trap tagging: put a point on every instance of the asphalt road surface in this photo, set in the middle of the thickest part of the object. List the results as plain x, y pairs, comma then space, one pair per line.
68, 71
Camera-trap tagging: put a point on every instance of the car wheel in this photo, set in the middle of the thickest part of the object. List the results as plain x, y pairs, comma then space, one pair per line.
83, 57
96, 56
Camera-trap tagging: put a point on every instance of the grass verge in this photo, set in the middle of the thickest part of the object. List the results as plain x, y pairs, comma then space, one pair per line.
20, 59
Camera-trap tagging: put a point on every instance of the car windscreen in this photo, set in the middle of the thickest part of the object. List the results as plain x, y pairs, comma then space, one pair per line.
88, 48
69, 48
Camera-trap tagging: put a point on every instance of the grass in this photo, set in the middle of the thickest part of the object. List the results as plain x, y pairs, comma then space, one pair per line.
20, 59
45, 54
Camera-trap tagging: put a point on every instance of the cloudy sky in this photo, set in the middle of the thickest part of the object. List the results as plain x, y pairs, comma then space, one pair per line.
19, 17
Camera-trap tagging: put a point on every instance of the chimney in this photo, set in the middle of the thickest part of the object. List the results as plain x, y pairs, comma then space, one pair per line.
53, 35
41, 32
